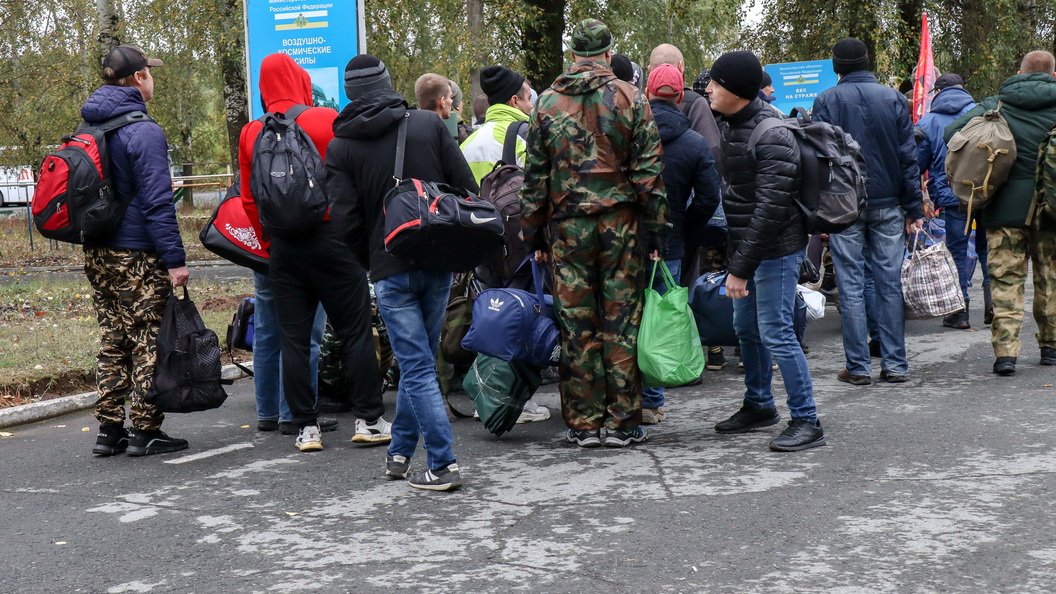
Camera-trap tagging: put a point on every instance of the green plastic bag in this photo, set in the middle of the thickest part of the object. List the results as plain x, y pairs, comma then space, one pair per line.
669, 351
499, 390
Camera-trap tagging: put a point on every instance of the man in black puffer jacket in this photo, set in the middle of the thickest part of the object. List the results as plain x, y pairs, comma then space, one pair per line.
767, 242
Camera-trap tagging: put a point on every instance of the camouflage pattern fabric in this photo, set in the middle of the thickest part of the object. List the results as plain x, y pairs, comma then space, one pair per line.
591, 37
713, 258
130, 289
1008, 252
599, 284
334, 382
592, 145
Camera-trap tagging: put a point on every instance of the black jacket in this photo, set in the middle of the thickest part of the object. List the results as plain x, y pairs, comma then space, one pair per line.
688, 167
763, 219
361, 160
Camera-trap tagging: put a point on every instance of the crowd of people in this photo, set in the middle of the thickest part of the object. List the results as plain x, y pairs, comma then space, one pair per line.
622, 166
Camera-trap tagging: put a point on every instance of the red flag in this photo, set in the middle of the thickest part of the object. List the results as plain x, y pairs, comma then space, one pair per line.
924, 74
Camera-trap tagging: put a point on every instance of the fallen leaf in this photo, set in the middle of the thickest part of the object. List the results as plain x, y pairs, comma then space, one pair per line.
694, 570
1047, 386
59, 426
245, 426
5, 434
927, 373
86, 429
294, 513
60, 542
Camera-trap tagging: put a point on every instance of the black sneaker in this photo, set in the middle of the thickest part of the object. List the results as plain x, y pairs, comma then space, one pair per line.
145, 443
267, 425
112, 439
1005, 365
325, 424
957, 320
585, 438
748, 418
447, 478
799, 435
1048, 356
397, 467
716, 360
618, 439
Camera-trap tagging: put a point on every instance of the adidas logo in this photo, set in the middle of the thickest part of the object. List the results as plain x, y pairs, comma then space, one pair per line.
496, 305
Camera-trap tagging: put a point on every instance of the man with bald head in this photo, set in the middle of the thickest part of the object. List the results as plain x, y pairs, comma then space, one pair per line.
1013, 237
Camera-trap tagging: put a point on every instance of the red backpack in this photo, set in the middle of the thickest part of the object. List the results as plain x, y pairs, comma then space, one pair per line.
74, 199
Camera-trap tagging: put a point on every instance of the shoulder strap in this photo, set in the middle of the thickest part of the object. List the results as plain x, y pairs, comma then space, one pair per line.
294, 112
124, 120
801, 113
764, 127
401, 147
509, 147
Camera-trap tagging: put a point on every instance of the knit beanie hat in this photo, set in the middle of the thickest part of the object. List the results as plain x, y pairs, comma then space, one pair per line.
456, 95
766, 80
590, 38
849, 55
948, 80
500, 83
621, 67
365, 74
701, 83
739, 73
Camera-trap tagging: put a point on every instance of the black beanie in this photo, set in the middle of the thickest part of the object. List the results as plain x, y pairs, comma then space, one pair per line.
766, 80
500, 83
365, 74
739, 73
849, 55
621, 67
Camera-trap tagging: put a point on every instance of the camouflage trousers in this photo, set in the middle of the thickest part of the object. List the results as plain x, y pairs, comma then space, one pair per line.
599, 286
130, 289
1008, 251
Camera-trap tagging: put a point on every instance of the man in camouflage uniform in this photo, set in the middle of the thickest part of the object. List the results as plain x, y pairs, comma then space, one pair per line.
592, 179
1015, 235
132, 273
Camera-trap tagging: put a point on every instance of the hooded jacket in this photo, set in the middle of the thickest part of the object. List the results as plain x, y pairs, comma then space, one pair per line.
483, 148
763, 219
592, 146
361, 162
877, 117
689, 168
947, 106
1030, 110
139, 164
283, 84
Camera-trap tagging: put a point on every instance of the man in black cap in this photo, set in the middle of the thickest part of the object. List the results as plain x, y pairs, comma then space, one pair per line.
360, 164
950, 103
133, 272
767, 243
878, 117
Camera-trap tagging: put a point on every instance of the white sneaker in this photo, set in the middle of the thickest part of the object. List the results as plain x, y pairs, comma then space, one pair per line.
380, 431
533, 412
309, 439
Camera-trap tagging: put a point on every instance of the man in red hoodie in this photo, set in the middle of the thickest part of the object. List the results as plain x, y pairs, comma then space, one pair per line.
311, 268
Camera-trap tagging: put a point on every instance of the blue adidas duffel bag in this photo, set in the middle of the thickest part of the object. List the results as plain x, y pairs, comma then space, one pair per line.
515, 325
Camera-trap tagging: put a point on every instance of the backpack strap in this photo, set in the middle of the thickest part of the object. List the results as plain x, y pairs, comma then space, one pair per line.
764, 127
401, 147
123, 120
295, 112
509, 147
800, 113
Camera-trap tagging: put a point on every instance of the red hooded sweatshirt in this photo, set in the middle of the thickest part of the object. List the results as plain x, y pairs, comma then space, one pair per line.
283, 84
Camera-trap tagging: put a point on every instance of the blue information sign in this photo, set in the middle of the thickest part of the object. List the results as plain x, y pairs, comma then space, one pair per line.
796, 84
320, 35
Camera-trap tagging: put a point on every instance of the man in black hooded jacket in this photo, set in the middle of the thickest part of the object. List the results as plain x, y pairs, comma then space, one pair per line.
360, 165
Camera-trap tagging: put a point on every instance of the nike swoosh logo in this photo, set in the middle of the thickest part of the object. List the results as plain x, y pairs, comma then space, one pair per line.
478, 220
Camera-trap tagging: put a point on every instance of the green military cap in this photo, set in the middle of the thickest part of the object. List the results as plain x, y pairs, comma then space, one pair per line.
590, 38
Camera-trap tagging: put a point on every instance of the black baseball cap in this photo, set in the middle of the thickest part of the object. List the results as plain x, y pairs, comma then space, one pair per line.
127, 59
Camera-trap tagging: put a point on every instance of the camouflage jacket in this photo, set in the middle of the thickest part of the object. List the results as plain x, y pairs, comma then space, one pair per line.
592, 145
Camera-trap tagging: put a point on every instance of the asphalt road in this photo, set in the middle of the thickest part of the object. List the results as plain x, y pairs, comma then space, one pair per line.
942, 484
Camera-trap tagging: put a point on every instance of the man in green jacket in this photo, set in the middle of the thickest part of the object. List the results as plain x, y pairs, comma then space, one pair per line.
1013, 239
592, 179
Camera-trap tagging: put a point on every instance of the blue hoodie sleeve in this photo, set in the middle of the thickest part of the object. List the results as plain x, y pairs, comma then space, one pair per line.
149, 152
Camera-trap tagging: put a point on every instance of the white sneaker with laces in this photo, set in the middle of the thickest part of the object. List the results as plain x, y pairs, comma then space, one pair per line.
380, 431
533, 412
309, 439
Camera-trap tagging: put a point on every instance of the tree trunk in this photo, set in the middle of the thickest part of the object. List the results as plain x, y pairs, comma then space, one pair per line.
909, 12
231, 49
475, 12
542, 42
109, 26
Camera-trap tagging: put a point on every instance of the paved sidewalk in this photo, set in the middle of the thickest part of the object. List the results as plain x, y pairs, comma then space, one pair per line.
943, 484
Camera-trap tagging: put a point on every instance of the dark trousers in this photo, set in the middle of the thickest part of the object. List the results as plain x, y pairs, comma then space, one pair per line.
305, 271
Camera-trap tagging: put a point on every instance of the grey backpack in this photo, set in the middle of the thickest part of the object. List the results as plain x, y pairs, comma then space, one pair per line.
979, 159
832, 194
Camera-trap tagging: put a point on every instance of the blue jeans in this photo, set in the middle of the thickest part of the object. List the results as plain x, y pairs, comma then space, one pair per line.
879, 235
412, 305
654, 397
957, 243
267, 360
764, 324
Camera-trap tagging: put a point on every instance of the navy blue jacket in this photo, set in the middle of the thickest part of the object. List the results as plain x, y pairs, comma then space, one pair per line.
948, 105
140, 171
689, 167
877, 117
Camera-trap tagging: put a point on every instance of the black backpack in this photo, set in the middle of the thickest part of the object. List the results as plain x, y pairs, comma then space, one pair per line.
240, 331
187, 376
502, 189
287, 177
832, 168
74, 199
